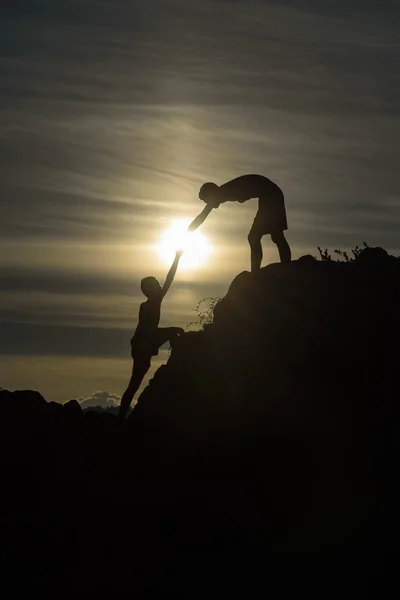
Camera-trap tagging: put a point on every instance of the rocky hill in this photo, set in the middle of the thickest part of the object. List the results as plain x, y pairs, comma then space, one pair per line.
273, 429
309, 346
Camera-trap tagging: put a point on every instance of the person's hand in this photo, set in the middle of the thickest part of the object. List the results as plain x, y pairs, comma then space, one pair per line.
215, 203
179, 253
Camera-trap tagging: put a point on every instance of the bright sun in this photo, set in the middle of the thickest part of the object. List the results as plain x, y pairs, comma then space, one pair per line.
195, 245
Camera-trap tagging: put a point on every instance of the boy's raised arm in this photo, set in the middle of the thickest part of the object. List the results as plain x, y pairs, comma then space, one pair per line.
199, 220
171, 273
192, 227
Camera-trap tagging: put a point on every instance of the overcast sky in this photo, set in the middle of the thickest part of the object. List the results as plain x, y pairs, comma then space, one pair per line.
114, 112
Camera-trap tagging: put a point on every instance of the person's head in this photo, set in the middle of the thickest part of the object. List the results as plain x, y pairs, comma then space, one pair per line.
209, 193
150, 286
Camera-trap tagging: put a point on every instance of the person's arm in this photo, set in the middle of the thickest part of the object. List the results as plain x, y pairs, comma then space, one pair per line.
171, 273
199, 220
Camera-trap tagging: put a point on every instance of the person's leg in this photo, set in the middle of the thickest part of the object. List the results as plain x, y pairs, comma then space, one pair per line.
256, 256
168, 334
285, 253
139, 370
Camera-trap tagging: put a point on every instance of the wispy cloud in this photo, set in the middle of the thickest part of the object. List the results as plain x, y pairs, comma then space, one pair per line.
104, 399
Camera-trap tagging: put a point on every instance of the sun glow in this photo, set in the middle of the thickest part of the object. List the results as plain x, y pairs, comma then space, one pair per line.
195, 245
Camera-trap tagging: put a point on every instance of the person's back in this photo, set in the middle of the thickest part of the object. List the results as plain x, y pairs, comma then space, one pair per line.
246, 187
149, 316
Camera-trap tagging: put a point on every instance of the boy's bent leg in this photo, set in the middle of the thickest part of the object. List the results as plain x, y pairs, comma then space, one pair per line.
254, 239
285, 253
168, 334
139, 370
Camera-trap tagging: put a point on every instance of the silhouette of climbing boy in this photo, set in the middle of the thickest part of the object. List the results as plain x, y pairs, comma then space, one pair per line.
148, 337
270, 217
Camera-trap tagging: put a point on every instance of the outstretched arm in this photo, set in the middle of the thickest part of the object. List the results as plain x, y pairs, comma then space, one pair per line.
171, 273
199, 220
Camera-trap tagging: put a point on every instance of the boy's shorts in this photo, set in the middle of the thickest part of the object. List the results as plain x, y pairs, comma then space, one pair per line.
271, 215
144, 349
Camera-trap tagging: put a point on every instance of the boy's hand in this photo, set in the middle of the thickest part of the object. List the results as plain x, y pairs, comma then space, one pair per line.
214, 203
179, 253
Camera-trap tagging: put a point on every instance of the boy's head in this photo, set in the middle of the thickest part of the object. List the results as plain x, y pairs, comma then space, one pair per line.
150, 286
209, 193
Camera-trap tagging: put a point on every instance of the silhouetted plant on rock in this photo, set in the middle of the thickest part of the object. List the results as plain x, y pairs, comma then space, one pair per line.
355, 251
326, 256
205, 311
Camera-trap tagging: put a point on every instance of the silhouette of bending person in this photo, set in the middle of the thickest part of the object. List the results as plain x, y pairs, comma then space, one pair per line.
270, 217
148, 337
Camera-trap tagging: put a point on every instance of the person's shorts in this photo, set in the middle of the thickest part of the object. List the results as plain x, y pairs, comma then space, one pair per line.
143, 349
146, 348
271, 215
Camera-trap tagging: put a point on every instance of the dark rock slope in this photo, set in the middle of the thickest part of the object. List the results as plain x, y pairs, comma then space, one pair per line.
309, 347
273, 429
